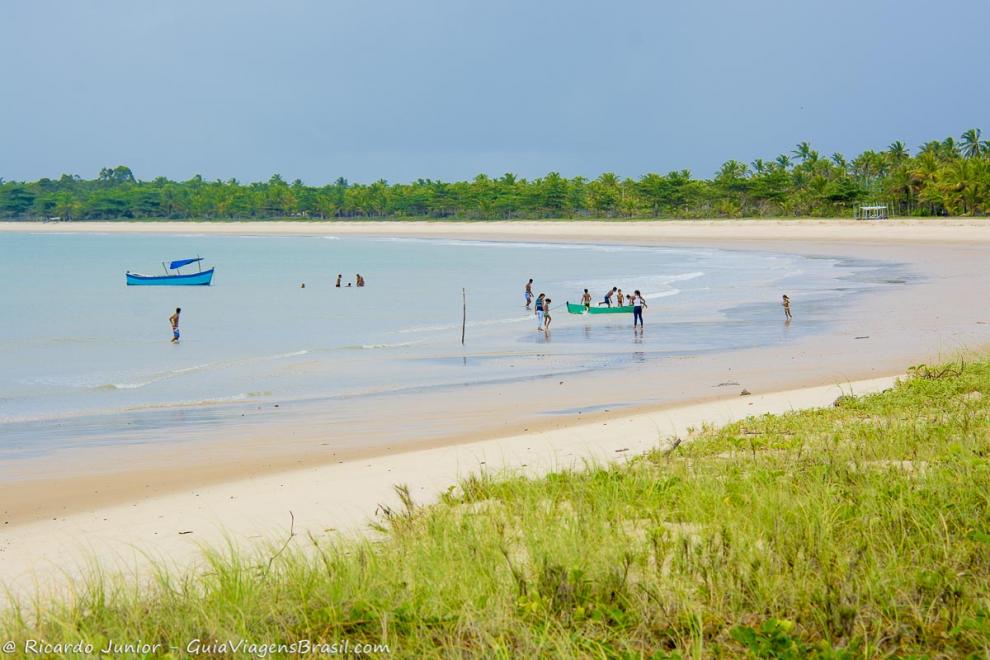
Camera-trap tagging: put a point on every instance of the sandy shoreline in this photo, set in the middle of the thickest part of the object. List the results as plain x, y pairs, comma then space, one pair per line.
901, 230
332, 500
879, 336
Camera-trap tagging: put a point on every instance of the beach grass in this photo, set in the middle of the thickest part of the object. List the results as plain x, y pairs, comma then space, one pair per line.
858, 530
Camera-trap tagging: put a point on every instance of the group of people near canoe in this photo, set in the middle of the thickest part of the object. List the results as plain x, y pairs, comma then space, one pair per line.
359, 281
542, 304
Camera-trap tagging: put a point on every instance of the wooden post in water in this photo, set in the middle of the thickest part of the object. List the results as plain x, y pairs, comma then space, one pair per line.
464, 317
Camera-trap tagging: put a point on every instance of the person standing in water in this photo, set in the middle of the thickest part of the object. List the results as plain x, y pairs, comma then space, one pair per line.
586, 300
787, 308
539, 311
619, 298
638, 304
528, 293
174, 320
546, 315
359, 279
339, 275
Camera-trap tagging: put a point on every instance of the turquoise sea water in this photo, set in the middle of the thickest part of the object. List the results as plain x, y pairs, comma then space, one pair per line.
77, 344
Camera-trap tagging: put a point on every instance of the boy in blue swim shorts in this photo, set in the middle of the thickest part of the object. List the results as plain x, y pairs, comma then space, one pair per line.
174, 320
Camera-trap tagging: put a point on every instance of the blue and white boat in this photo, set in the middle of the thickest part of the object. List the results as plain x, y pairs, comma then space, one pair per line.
200, 278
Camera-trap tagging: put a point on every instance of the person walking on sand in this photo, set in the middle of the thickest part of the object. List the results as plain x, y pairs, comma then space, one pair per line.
539, 311
638, 303
608, 297
528, 293
174, 320
787, 308
546, 315
586, 300
359, 279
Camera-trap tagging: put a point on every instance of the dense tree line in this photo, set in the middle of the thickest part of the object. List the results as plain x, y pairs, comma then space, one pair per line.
950, 177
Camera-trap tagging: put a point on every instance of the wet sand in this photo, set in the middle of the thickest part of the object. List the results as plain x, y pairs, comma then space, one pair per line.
880, 334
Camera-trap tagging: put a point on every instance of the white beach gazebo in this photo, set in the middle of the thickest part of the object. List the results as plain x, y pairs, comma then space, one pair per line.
872, 212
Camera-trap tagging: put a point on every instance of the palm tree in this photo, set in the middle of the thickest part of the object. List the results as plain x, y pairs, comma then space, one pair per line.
972, 147
926, 166
950, 149
784, 161
933, 147
897, 151
960, 183
732, 170
759, 166
869, 166
924, 178
803, 151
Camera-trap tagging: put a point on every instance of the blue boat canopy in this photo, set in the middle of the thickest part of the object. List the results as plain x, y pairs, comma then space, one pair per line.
183, 262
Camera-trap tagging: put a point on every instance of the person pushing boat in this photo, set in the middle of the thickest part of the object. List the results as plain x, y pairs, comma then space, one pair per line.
174, 320
608, 297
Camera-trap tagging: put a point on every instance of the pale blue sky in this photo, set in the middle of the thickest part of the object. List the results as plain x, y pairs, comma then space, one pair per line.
447, 89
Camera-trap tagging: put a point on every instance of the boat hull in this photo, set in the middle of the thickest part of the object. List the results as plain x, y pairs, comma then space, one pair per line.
579, 309
193, 279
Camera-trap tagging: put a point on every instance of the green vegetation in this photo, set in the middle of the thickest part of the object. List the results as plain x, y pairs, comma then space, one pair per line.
943, 178
859, 530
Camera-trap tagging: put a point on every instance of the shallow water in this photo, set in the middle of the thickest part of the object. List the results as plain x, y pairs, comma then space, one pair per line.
78, 344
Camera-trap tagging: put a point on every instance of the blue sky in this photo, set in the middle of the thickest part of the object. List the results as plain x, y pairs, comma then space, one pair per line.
447, 89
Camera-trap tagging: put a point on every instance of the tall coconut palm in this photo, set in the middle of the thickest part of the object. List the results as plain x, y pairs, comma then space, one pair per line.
950, 149
933, 147
897, 151
783, 161
972, 147
803, 151
925, 167
732, 170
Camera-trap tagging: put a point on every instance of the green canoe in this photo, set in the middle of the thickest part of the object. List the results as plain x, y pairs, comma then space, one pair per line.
579, 309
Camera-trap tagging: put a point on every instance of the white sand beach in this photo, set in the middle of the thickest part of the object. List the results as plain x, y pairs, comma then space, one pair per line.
171, 530
168, 512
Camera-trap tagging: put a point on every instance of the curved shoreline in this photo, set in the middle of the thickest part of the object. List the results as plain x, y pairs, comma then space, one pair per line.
900, 230
878, 336
339, 500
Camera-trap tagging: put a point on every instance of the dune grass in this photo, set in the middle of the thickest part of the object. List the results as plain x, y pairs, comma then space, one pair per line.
860, 530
